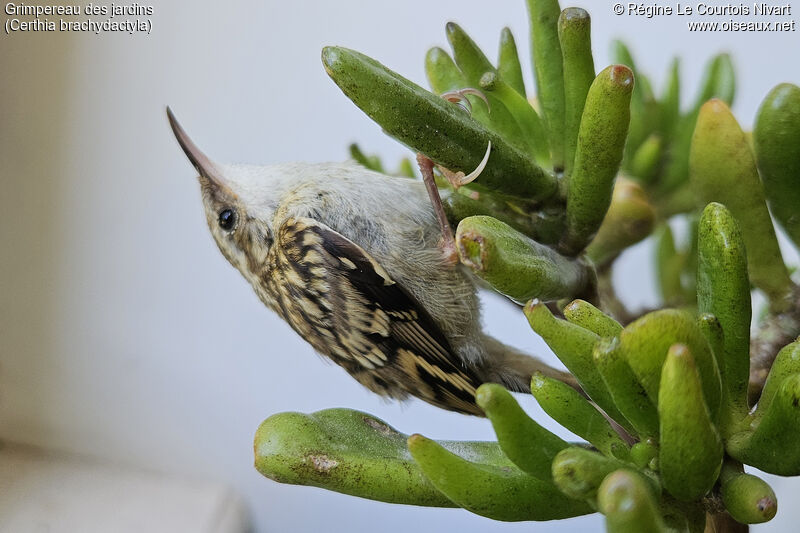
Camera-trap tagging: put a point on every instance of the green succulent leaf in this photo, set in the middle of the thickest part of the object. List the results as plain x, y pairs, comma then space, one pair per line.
770, 444
723, 289
669, 267
527, 444
646, 341
690, 448
584, 314
671, 100
723, 170
645, 161
508, 65
630, 219
573, 345
549, 71
467, 55
566, 406
719, 81
675, 174
370, 162
644, 454
601, 139
622, 55
498, 491
579, 472
749, 499
574, 34
777, 145
629, 396
785, 365
473, 64
530, 126
516, 265
442, 72
628, 505
644, 114
345, 451
406, 169
439, 129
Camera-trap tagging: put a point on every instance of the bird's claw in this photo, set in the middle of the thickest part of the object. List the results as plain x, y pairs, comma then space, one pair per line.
459, 179
460, 97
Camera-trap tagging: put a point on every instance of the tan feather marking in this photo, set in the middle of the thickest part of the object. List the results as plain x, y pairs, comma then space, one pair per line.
411, 332
379, 324
346, 262
291, 251
309, 307
454, 379
408, 362
340, 352
313, 257
293, 277
405, 315
301, 325
310, 238
376, 356
363, 361
354, 343
387, 280
454, 401
319, 286
326, 332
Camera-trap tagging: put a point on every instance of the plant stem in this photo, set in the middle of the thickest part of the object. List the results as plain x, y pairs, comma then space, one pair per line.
774, 332
723, 523
609, 301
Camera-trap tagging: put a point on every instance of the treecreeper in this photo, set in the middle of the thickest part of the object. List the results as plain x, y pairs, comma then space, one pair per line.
352, 260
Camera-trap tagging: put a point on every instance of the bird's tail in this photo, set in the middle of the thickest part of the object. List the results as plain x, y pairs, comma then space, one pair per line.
456, 388
514, 369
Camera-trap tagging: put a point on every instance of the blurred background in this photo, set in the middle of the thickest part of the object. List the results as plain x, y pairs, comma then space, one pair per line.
128, 342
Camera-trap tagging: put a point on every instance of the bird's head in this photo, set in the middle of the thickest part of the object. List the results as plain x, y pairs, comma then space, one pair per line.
239, 203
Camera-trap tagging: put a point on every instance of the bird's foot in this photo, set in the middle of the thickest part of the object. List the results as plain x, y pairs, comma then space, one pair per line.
456, 179
448, 242
449, 251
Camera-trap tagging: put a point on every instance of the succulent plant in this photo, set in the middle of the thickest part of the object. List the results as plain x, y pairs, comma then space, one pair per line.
676, 400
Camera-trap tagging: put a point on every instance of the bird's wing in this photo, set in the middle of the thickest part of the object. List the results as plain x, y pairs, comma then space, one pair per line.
349, 308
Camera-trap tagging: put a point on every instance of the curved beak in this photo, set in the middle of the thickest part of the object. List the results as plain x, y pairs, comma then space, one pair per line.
201, 162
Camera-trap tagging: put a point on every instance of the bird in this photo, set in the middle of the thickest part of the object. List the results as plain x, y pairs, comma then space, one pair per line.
352, 260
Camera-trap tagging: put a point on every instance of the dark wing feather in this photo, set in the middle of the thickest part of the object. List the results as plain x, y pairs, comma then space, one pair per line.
348, 307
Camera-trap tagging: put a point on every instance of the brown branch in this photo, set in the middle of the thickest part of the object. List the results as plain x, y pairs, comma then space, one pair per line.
773, 333
724, 523
609, 301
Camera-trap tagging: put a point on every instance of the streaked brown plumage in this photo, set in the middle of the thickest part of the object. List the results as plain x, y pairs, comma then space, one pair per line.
350, 259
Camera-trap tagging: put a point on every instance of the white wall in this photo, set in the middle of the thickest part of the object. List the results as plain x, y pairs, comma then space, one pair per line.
126, 335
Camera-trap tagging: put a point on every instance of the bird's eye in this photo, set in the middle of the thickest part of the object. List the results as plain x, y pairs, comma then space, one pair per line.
227, 219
